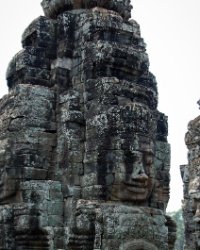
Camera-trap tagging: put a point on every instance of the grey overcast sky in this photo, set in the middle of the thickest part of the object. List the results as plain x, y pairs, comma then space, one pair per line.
171, 30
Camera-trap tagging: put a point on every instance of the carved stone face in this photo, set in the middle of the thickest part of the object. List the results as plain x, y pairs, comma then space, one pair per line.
194, 187
136, 178
195, 221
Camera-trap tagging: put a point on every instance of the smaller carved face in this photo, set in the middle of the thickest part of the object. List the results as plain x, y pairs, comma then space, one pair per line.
196, 217
194, 187
135, 181
196, 220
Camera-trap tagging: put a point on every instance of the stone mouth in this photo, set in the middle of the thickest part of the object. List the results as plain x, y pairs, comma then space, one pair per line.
136, 186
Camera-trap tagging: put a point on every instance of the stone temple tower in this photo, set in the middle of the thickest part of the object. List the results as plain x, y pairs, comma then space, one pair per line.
191, 179
84, 158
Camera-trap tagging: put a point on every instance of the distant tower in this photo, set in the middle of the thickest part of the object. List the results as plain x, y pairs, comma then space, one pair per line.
191, 178
84, 156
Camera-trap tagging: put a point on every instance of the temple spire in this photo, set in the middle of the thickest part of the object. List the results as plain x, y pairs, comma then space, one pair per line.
52, 8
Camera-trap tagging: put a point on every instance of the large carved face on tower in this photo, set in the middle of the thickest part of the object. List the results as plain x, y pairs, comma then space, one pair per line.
135, 180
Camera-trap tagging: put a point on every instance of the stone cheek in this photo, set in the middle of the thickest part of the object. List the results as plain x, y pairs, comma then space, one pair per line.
84, 158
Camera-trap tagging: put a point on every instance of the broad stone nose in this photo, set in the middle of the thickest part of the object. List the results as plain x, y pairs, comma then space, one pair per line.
139, 172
